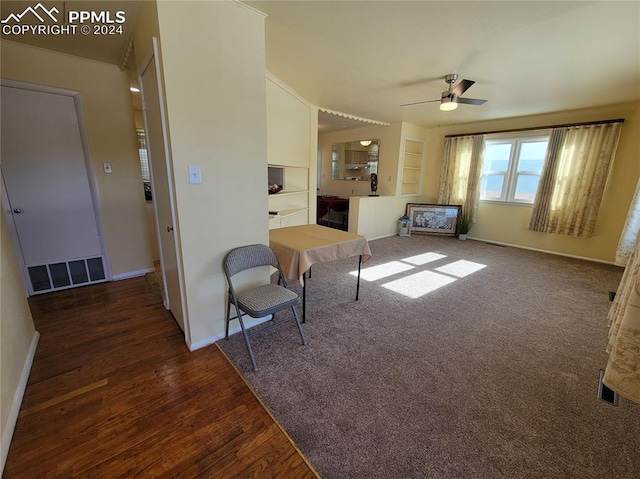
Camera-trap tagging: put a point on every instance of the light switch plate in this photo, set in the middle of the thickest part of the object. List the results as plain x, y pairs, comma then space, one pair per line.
195, 177
106, 167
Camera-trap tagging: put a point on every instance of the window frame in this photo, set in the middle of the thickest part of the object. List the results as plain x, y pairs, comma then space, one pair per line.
511, 174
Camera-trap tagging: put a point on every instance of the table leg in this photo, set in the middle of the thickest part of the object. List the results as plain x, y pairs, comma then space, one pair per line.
304, 297
358, 286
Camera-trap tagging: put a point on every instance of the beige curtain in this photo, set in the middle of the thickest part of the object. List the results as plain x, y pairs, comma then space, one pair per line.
573, 179
630, 230
460, 173
622, 373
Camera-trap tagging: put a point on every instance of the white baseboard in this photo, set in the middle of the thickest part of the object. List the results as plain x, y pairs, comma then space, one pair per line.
12, 418
232, 330
132, 274
383, 236
540, 250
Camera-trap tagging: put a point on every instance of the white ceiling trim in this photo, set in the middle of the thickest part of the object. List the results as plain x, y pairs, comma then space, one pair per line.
353, 117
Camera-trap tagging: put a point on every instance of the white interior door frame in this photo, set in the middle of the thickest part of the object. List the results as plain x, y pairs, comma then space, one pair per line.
154, 56
93, 186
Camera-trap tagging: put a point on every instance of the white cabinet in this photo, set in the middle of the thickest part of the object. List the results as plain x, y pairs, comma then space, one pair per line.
356, 157
288, 149
288, 128
411, 173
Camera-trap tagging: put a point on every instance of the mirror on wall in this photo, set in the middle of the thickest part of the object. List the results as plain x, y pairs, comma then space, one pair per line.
355, 160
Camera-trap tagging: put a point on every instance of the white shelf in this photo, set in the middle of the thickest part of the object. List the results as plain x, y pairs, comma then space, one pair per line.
287, 193
274, 165
289, 217
292, 203
287, 212
413, 159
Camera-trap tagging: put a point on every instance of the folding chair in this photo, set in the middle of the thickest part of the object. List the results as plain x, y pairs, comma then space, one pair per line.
259, 301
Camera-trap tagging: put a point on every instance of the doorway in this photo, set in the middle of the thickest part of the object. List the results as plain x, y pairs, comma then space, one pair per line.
47, 190
162, 185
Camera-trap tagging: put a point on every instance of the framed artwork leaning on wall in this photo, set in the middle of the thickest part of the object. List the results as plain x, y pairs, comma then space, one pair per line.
434, 219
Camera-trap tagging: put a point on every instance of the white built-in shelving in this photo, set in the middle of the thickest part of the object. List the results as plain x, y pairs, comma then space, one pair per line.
412, 161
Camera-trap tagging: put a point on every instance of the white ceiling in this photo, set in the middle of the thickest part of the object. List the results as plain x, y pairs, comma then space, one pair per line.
365, 58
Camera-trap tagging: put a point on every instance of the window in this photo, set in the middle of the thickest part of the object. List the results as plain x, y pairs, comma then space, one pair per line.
511, 169
144, 164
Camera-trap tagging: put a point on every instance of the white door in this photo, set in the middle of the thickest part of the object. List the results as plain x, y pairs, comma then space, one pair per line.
45, 176
161, 184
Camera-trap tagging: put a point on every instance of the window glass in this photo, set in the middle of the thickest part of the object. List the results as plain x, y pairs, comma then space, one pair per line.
496, 157
492, 186
511, 169
532, 155
526, 187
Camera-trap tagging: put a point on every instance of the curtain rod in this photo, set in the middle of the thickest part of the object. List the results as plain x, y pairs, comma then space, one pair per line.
601, 122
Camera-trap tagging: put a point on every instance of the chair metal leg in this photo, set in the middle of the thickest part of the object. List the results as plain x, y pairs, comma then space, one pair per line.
246, 340
228, 320
304, 297
295, 315
358, 285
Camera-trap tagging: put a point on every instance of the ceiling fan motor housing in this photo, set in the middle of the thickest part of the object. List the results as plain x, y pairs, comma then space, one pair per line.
451, 78
453, 95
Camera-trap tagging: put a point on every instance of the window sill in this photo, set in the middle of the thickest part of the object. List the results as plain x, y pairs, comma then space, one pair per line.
506, 203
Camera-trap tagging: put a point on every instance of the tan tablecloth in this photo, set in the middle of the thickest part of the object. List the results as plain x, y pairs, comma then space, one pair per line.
299, 247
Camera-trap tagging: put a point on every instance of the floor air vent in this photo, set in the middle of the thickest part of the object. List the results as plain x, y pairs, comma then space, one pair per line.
67, 274
604, 393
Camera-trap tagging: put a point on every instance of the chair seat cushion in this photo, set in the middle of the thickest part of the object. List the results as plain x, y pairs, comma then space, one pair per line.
266, 299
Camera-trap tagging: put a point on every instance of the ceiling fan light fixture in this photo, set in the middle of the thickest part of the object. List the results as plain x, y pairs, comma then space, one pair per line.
365, 142
447, 104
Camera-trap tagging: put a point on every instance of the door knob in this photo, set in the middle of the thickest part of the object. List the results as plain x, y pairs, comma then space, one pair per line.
169, 229
17, 211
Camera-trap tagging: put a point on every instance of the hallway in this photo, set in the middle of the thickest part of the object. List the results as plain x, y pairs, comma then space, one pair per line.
115, 392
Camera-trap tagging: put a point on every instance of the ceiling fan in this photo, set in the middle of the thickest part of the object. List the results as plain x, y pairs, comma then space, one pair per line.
451, 97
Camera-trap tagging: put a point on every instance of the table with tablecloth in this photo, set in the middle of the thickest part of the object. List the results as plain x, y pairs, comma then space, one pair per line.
299, 247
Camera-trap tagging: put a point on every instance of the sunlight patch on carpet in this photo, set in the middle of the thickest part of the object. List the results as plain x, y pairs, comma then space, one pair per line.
382, 271
424, 258
419, 284
461, 268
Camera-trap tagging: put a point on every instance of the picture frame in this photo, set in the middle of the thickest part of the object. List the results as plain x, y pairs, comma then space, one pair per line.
431, 219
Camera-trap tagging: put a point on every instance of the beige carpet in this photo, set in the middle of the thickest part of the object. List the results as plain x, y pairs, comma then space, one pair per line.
461, 360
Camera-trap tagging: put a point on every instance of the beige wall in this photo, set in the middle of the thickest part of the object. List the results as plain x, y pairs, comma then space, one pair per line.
214, 76
106, 101
16, 332
508, 224
376, 217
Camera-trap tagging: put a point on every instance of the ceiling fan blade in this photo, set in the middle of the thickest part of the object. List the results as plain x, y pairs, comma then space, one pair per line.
420, 102
471, 101
461, 87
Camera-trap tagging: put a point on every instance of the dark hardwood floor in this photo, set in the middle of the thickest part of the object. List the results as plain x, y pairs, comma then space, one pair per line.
115, 392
